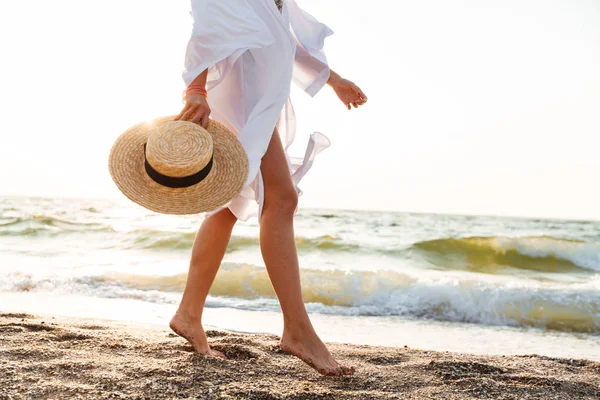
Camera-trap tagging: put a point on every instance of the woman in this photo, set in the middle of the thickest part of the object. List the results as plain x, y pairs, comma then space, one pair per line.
240, 61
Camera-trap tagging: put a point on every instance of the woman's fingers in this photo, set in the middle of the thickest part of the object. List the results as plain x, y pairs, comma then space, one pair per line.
187, 107
189, 114
362, 98
204, 121
356, 97
197, 117
350, 94
362, 95
195, 113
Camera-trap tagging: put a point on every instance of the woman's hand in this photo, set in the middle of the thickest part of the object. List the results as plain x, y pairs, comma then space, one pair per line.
347, 91
196, 110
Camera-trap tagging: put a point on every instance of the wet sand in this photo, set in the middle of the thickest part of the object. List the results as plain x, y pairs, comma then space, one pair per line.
70, 358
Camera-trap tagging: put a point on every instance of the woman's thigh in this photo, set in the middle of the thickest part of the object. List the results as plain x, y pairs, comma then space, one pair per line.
277, 179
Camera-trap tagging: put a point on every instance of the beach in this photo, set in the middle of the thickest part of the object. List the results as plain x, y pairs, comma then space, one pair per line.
46, 357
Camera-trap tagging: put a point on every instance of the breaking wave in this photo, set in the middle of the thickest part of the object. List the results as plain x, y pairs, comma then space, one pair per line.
538, 253
574, 308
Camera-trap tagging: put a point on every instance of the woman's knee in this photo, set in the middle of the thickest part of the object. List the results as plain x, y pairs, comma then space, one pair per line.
282, 201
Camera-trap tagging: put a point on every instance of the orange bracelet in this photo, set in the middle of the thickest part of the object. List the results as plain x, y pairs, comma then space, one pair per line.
196, 89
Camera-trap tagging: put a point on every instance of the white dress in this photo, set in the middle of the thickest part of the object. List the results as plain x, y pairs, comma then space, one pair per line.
253, 52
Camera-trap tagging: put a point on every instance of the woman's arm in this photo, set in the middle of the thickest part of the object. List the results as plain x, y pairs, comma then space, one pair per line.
219, 36
311, 70
350, 94
201, 79
196, 107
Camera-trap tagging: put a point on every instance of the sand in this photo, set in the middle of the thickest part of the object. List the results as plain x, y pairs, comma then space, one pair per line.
68, 358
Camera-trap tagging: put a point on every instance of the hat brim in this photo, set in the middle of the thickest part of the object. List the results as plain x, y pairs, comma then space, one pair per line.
224, 182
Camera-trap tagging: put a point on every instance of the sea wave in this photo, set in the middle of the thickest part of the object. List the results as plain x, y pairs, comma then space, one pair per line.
487, 254
162, 240
44, 224
150, 239
574, 307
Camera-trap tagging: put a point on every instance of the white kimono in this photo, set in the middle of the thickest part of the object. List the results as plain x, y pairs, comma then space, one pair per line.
253, 52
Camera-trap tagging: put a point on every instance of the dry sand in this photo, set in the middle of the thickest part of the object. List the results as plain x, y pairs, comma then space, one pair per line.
66, 358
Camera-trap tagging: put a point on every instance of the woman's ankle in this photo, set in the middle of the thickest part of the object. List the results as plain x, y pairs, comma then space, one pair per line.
298, 328
188, 314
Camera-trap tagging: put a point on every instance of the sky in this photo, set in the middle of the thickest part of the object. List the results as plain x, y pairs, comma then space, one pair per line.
475, 106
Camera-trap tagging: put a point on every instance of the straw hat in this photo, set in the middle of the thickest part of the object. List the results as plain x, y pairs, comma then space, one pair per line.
178, 167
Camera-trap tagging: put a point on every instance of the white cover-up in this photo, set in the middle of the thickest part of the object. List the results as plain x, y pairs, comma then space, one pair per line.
253, 52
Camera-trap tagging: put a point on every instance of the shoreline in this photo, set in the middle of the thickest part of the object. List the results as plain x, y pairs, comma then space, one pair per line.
423, 334
63, 357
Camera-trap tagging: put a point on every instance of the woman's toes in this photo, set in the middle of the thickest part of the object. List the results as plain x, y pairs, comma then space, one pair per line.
217, 354
348, 370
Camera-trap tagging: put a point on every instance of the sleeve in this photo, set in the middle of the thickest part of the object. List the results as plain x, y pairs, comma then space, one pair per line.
223, 30
311, 71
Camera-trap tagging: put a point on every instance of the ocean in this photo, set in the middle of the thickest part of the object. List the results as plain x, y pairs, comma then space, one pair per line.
475, 284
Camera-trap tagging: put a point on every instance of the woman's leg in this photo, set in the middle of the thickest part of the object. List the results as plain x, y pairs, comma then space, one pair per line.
208, 251
278, 246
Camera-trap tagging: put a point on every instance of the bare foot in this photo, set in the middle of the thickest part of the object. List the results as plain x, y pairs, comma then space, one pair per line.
311, 350
193, 332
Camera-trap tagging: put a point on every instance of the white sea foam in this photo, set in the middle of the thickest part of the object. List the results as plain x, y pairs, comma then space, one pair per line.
501, 302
